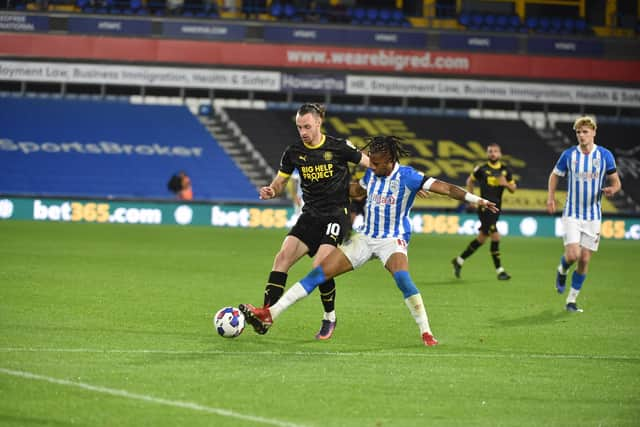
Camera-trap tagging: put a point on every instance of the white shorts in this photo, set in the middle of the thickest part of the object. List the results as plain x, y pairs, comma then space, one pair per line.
585, 233
360, 249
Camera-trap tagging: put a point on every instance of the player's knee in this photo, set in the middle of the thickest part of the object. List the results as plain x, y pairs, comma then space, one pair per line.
405, 284
283, 261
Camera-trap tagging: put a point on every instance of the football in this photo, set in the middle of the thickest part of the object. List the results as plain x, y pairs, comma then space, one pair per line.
229, 322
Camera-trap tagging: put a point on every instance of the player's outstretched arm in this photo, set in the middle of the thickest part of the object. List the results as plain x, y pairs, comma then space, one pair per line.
455, 192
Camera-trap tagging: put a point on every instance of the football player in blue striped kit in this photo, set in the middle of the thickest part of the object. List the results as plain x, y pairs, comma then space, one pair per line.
391, 190
586, 166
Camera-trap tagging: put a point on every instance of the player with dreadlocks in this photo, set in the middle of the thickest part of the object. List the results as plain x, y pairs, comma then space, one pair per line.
390, 189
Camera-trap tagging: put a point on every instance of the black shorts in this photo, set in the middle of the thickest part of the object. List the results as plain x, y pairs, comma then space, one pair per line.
314, 231
488, 221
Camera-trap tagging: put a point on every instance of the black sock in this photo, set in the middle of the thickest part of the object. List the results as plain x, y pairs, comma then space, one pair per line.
495, 254
328, 295
473, 246
275, 287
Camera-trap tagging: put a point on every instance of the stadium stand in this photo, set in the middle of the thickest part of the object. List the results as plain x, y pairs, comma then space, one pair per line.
448, 147
110, 150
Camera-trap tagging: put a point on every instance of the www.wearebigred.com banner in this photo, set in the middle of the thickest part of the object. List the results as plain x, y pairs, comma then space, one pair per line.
318, 57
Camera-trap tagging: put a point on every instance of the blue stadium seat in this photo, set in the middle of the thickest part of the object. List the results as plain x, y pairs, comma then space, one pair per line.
464, 19
557, 24
384, 17
502, 21
581, 26
372, 14
289, 11
358, 15
544, 25
514, 23
477, 20
276, 10
569, 25
83, 5
532, 23
397, 17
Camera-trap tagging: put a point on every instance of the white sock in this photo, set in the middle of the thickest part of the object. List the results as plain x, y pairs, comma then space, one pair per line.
499, 270
416, 307
562, 271
573, 295
331, 316
294, 293
460, 260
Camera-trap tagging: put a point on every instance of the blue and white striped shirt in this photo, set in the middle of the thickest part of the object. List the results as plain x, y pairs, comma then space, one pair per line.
585, 179
389, 201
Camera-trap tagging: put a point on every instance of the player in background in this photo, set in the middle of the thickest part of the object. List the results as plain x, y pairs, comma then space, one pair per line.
492, 177
295, 193
585, 165
356, 203
323, 164
390, 189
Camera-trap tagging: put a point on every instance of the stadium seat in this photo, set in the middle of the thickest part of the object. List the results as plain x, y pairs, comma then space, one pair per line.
515, 24
372, 14
544, 25
83, 5
569, 25
358, 15
276, 10
384, 17
397, 17
557, 24
489, 20
289, 11
502, 22
464, 19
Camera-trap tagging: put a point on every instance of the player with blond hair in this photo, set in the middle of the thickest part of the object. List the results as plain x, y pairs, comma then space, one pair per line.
586, 166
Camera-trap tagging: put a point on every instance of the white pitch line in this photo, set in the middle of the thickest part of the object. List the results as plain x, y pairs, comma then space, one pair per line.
150, 399
427, 353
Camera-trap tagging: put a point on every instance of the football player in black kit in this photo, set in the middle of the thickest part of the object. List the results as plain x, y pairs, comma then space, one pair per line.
323, 164
492, 177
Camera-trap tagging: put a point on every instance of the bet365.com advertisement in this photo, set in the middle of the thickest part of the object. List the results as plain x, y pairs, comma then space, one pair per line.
263, 216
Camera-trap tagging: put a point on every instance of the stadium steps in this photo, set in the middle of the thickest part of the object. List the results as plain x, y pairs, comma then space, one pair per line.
238, 147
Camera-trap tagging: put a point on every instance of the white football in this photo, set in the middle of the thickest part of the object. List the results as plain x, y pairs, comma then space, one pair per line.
229, 322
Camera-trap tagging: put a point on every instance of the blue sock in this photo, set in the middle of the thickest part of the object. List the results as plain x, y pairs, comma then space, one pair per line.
313, 279
564, 263
405, 284
577, 280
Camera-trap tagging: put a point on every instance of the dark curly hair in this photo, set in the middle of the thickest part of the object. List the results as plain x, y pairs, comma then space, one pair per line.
386, 144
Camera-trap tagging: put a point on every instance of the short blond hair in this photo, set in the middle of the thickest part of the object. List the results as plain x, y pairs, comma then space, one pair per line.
585, 121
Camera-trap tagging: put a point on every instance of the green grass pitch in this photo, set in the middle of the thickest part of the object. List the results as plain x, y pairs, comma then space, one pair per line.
111, 325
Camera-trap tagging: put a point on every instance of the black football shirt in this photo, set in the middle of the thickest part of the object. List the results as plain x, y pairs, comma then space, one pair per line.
487, 176
324, 173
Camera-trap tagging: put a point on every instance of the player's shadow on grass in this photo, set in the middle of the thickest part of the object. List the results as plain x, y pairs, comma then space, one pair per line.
544, 317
